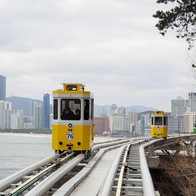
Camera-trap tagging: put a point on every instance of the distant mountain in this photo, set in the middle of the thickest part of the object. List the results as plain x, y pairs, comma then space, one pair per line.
137, 108
20, 103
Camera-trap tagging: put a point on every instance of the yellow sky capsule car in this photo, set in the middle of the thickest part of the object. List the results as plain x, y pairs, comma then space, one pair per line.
73, 127
159, 128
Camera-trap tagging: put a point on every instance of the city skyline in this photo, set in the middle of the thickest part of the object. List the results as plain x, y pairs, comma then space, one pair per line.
191, 96
16, 117
116, 121
137, 106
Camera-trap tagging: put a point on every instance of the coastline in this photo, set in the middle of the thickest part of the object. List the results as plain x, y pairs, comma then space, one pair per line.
26, 134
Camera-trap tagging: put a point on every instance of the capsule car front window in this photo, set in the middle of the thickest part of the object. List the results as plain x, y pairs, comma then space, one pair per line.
158, 120
70, 109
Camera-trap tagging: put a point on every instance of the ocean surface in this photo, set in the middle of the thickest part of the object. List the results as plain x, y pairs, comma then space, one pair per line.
21, 150
18, 151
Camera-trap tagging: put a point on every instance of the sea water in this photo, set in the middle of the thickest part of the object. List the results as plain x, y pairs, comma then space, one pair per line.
18, 151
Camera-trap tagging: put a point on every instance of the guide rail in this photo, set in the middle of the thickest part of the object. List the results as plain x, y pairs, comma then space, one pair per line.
35, 176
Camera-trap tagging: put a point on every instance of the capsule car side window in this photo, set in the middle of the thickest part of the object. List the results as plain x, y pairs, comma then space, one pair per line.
165, 120
55, 109
86, 109
92, 109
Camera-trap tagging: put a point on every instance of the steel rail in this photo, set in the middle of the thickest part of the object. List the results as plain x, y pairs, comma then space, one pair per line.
108, 184
119, 186
5, 183
111, 174
47, 183
96, 143
31, 181
69, 186
98, 146
148, 186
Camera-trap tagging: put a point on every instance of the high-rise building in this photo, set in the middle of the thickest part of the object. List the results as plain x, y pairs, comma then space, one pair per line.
46, 111
143, 125
120, 124
17, 119
35, 111
28, 122
113, 107
175, 124
2, 88
32, 105
133, 115
189, 121
192, 102
178, 106
102, 112
5, 114
121, 110
101, 124
38, 118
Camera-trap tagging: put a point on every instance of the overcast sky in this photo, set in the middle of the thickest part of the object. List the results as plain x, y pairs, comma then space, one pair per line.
110, 46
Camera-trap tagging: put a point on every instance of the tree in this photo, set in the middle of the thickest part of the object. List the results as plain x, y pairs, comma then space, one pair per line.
181, 18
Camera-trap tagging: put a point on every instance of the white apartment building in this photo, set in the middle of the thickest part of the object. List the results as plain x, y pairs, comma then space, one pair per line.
175, 124
17, 119
178, 106
38, 116
120, 124
192, 101
5, 114
102, 112
36, 111
189, 120
133, 115
138, 131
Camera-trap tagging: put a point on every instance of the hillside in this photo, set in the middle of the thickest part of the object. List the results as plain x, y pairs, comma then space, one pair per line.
20, 103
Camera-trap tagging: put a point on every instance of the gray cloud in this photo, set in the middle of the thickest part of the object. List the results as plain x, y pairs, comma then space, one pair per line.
111, 46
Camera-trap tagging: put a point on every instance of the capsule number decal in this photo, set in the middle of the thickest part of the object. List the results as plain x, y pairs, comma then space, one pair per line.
70, 136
